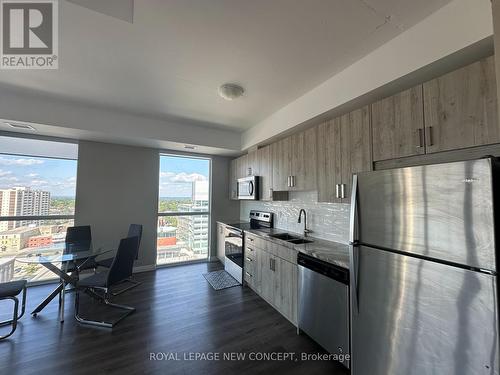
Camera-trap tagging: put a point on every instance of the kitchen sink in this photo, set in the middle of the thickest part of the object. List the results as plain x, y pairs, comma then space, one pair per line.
285, 237
300, 241
290, 238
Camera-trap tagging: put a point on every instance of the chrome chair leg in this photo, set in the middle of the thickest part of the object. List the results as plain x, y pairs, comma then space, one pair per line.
130, 280
105, 299
14, 319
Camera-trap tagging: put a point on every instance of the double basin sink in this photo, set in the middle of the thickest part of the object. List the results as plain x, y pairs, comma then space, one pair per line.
290, 238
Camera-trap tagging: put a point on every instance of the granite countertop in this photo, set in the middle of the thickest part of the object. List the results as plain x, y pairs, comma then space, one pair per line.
328, 251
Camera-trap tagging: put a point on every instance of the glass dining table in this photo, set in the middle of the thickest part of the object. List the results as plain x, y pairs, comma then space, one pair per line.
66, 264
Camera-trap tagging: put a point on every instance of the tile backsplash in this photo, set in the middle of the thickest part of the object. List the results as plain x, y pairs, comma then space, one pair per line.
328, 221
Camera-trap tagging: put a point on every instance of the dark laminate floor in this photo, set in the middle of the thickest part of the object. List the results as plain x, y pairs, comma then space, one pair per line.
177, 312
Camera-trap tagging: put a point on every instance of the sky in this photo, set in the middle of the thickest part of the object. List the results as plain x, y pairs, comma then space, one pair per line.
178, 173
55, 175
59, 176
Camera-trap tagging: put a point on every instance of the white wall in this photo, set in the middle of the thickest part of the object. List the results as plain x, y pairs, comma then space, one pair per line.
456, 26
117, 186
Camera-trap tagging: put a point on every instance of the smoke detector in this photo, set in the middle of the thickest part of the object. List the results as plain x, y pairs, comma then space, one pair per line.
231, 91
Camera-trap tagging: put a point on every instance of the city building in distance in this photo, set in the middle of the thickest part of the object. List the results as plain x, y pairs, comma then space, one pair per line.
23, 201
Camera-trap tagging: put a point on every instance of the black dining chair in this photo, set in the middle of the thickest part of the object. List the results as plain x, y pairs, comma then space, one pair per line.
10, 290
98, 285
134, 230
79, 238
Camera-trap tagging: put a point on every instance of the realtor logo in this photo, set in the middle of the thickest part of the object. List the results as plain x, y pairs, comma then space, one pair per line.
29, 37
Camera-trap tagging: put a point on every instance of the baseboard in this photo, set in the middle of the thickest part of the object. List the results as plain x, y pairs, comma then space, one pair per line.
146, 268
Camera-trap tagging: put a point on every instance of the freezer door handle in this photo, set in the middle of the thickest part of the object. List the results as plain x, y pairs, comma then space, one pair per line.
353, 233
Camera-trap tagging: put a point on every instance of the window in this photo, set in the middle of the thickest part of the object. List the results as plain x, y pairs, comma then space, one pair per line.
183, 209
37, 203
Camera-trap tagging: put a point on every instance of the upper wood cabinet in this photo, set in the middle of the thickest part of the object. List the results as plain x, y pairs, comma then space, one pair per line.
294, 162
242, 166
303, 160
265, 172
460, 108
281, 159
343, 148
398, 125
329, 166
252, 164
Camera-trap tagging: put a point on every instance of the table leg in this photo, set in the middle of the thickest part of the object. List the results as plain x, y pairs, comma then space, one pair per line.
46, 301
65, 279
61, 304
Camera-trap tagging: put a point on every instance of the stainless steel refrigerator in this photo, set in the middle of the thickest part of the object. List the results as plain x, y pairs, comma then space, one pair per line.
423, 270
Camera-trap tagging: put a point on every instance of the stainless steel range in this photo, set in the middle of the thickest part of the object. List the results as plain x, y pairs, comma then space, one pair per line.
234, 241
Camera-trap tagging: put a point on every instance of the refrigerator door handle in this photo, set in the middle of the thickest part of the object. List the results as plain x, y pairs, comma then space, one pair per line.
355, 277
353, 242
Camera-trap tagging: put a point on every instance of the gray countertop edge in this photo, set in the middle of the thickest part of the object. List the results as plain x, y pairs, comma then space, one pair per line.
329, 251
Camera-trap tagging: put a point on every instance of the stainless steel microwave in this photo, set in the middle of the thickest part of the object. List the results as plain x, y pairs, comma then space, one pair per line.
248, 187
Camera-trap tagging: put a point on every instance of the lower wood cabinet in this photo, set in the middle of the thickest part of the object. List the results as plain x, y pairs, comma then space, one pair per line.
273, 277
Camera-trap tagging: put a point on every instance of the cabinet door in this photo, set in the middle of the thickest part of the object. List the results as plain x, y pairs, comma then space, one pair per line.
303, 160
266, 276
398, 125
460, 108
328, 164
265, 173
233, 179
280, 154
355, 147
285, 293
253, 163
243, 166
220, 242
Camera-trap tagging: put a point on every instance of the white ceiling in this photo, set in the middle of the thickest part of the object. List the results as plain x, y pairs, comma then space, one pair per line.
170, 61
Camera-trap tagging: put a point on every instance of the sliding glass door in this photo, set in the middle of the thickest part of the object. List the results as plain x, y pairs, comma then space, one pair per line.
183, 209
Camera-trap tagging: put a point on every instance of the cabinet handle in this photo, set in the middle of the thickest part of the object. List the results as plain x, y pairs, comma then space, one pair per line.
430, 136
293, 181
337, 194
248, 274
288, 181
249, 259
342, 191
270, 193
270, 264
251, 239
420, 138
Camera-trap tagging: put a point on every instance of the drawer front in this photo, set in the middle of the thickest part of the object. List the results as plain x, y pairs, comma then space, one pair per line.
249, 278
249, 264
253, 242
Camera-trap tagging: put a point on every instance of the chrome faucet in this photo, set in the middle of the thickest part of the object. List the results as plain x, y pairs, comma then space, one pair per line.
306, 231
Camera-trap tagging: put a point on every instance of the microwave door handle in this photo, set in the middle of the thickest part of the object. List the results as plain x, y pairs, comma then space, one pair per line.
250, 188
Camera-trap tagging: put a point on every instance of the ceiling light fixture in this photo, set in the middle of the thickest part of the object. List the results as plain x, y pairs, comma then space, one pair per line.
189, 147
20, 126
231, 91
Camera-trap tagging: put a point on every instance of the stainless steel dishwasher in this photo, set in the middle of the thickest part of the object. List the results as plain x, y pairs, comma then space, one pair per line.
324, 304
